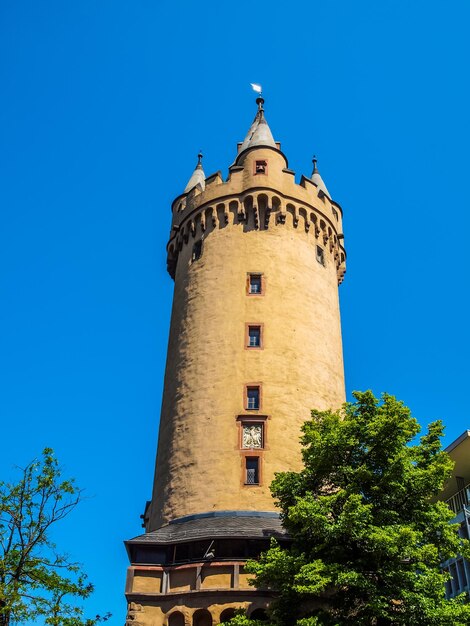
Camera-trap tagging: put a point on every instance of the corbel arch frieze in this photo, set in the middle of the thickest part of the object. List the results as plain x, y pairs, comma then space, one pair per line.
211, 215
330, 239
256, 215
323, 231
261, 205
261, 199
291, 209
274, 206
304, 215
276, 203
222, 213
186, 231
171, 255
246, 205
234, 209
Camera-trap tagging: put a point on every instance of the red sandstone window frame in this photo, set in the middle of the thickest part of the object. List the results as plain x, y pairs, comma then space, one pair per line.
246, 459
246, 420
248, 326
246, 388
251, 454
262, 284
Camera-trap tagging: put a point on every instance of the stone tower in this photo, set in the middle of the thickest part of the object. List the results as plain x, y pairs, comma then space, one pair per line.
255, 344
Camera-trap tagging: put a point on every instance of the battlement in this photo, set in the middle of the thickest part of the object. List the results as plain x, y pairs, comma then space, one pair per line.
258, 200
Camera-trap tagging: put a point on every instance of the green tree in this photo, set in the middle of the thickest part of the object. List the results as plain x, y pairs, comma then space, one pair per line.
35, 580
367, 533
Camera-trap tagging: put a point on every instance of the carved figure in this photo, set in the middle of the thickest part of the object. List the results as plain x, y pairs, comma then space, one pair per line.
252, 436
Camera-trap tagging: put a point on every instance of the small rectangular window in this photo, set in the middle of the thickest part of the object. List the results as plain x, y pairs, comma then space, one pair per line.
255, 284
252, 470
254, 337
320, 255
261, 167
252, 398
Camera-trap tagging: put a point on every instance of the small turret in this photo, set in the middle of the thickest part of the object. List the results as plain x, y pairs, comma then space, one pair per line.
198, 177
317, 179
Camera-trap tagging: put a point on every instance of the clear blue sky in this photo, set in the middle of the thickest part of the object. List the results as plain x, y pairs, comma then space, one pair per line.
104, 107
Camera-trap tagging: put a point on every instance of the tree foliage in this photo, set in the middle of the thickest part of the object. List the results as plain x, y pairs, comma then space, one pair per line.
35, 580
367, 535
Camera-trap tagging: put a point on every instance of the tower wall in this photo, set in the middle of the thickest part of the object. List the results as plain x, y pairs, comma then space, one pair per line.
252, 223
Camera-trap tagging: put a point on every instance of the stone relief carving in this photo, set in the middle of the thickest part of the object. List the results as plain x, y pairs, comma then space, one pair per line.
252, 436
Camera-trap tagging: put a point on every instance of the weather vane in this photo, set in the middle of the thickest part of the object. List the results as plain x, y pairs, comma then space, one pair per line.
257, 88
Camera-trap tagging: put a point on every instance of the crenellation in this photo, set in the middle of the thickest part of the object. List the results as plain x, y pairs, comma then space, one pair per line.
260, 204
214, 180
244, 180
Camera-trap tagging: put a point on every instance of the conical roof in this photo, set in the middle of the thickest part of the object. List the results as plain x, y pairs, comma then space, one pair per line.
197, 177
317, 179
259, 133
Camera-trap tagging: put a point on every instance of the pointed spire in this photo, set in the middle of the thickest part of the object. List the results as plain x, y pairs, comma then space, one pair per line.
317, 179
198, 177
259, 133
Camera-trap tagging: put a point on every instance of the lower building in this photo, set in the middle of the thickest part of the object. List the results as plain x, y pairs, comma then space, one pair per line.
191, 571
457, 496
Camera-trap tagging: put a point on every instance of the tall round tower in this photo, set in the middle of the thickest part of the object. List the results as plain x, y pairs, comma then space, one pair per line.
255, 344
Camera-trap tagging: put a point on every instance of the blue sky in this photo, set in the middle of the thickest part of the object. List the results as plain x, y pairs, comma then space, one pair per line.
104, 107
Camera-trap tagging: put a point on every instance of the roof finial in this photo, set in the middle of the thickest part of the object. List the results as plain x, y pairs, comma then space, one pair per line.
259, 99
259, 133
199, 159
314, 161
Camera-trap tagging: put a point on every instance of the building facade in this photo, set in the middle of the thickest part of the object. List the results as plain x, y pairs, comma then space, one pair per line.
255, 344
457, 495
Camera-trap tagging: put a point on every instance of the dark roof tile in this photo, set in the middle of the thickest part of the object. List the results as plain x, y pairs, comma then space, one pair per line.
210, 526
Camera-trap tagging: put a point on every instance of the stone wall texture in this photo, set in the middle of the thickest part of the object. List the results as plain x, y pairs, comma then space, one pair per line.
252, 223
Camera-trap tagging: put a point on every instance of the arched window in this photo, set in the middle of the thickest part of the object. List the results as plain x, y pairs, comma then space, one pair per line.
259, 614
176, 619
227, 615
202, 617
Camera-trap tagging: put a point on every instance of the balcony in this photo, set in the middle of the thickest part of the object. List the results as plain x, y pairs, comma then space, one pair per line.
459, 500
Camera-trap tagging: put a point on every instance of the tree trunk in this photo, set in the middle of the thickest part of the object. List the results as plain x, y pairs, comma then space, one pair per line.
4, 614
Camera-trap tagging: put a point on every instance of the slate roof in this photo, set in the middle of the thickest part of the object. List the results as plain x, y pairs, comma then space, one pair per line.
318, 180
222, 524
259, 133
197, 177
